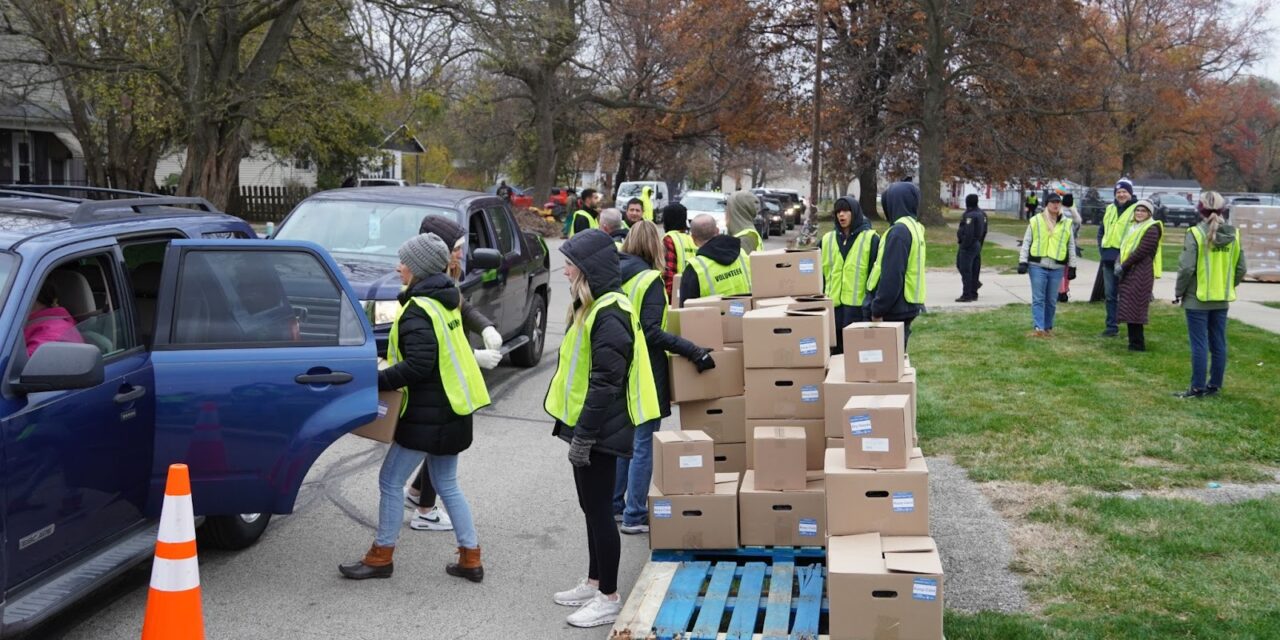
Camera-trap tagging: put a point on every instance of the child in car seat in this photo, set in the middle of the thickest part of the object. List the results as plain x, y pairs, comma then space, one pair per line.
49, 322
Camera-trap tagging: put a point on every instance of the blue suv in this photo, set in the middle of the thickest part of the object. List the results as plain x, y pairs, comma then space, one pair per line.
181, 338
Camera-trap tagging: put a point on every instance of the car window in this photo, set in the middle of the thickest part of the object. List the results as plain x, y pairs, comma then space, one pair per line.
504, 229
260, 298
366, 231
629, 190
7, 263
478, 233
703, 203
79, 300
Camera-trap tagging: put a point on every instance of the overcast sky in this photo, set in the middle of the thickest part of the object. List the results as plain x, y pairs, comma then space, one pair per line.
1269, 65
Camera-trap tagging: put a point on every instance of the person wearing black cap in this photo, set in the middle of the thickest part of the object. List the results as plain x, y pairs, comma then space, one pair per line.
970, 235
1048, 249
677, 245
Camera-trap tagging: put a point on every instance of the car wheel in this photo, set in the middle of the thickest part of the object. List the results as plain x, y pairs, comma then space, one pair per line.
234, 532
535, 328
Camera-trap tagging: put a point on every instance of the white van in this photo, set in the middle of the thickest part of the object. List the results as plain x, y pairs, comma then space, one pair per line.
629, 190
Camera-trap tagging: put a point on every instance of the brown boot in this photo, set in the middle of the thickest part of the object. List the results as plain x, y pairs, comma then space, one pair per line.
375, 564
467, 566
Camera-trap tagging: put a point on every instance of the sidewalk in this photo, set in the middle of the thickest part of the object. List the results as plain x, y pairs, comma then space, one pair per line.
1002, 289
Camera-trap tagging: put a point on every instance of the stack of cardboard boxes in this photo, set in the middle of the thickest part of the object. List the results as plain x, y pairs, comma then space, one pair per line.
712, 401
1259, 229
690, 505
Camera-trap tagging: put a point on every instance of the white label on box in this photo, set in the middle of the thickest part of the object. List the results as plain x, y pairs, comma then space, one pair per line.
662, 509
860, 425
924, 589
806, 265
875, 445
809, 393
871, 356
904, 502
737, 309
382, 409
690, 462
808, 347
808, 528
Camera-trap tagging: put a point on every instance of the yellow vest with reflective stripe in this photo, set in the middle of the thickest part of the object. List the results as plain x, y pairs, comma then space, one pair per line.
1115, 223
568, 391
459, 374
1050, 245
715, 279
914, 287
1133, 237
753, 236
845, 279
686, 249
1215, 268
592, 223
638, 285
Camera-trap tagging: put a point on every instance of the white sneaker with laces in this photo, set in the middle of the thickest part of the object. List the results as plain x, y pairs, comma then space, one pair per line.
434, 520
600, 611
577, 596
411, 500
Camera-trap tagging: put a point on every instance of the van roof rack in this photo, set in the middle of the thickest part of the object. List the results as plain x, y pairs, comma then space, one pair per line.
46, 189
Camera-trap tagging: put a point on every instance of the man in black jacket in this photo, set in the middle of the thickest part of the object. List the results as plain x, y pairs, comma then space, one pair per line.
713, 245
970, 235
888, 301
611, 223
589, 201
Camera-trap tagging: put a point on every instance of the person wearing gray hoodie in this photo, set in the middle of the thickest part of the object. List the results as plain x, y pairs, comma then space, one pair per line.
1210, 268
740, 216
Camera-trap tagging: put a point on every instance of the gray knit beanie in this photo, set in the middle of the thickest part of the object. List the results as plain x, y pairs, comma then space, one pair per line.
425, 254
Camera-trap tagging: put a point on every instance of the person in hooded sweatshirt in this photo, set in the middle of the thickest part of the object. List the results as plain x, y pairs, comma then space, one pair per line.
740, 212
677, 244
1209, 270
611, 223
720, 268
848, 253
970, 235
639, 263
432, 362
896, 288
602, 389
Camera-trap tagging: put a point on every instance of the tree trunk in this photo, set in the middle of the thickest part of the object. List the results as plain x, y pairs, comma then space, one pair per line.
213, 163
624, 160
933, 115
544, 170
868, 193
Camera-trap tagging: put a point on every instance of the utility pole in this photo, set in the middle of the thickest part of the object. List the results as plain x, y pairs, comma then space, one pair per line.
816, 159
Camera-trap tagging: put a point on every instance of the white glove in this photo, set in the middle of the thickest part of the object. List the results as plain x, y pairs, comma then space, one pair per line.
488, 358
492, 339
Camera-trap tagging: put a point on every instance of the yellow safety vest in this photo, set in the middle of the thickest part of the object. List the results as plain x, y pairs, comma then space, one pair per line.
568, 391
1215, 268
845, 279
715, 279
638, 285
685, 248
914, 285
754, 236
646, 201
459, 374
1114, 223
592, 223
1050, 245
1133, 237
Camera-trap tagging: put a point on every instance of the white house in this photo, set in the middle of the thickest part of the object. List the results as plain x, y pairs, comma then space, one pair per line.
36, 144
261, 168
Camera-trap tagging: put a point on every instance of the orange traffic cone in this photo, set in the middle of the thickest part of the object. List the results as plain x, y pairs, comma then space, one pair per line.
173, 603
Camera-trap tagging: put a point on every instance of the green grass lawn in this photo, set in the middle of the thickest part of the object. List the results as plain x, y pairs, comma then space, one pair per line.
1069, 419
1273, 305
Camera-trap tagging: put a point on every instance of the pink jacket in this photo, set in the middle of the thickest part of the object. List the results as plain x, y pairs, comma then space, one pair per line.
53, 324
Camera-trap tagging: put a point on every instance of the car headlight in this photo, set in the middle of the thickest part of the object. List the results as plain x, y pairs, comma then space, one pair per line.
381, 311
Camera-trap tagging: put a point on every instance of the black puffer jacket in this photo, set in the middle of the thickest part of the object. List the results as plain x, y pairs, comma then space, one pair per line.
660, 342
429, 423
724, 249
889, 301
604, 416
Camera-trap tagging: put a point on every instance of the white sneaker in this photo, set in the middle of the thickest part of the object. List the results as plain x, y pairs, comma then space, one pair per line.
434, 520
577, 596
411, 500
600, 611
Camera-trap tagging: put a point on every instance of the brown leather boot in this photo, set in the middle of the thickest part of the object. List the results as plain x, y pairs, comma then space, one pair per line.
375, 564
468, 565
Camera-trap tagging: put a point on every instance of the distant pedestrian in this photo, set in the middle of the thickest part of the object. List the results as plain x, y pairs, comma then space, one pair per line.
504, 191
896, 286
1114, 222
646, 201
1139, 264
1048, 250
1033, 202
1069, 213
970, 235
848, 254
587, 216
1209, 270
678, 246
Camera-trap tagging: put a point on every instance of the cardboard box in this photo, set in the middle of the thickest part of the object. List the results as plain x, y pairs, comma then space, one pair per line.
803, 303
814, 442
877, 432
780, 338
882, 587
893, 502
779, 460
784, 393
732, 310
724, 419
782, 518
683, 462
675, 291
699, 325
786, 272
707, 521
731, 457
836, 393
724, 381
383, 428
874, 352
833, 443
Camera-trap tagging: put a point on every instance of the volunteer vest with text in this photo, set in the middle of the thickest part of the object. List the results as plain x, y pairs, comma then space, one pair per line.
1215, 269
1053, 245
913, 288
845, 278
1133, 237
459, 373
715, 279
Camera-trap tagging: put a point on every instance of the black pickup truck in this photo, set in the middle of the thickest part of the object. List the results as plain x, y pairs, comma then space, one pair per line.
506, 272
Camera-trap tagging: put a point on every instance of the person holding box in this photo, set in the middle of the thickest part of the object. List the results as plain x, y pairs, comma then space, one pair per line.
848, 253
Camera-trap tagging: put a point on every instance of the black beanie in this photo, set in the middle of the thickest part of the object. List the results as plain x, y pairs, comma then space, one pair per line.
1068, 200
447, 229
971, 201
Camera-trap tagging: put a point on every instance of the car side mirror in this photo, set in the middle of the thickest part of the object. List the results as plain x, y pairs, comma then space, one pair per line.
56, 366
485, 259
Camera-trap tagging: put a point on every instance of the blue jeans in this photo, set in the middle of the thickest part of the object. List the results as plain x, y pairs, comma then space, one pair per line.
631, 489
399, 464
1044, 295
1207, 331
1109, 286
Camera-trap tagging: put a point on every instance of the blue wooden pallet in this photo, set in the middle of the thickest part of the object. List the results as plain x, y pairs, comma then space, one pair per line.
768, 555
704, 600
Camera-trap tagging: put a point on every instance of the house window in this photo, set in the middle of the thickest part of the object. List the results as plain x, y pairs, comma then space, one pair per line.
24, 160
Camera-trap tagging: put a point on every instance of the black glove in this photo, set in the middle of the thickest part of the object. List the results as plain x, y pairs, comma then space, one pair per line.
580, 451
1071, 273
1022, 268
703, 361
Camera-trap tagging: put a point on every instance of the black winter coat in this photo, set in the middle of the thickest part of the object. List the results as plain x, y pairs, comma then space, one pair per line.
889, 301
724, 249
660, 342
604, 416
429, 423
972, 231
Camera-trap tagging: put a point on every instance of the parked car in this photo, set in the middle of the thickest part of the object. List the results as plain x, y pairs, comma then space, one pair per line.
378, 182
520, 198
708, 202
1092, 207
560, 195
194, 342
792, 207
506, 272
1175, 209
775, 216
